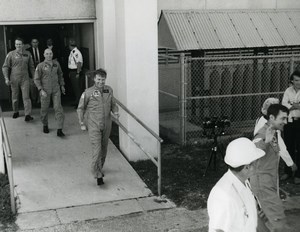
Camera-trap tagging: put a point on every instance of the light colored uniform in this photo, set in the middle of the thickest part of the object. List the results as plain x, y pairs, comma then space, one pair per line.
15, 68
49, 77
231, 206
98, 108
290, 96
264, 181
74, 58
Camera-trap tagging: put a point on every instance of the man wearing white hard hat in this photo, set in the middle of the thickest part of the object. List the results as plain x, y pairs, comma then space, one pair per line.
231, 205
264, 182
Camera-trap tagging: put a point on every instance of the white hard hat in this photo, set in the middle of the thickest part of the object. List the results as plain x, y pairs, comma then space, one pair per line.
242, 151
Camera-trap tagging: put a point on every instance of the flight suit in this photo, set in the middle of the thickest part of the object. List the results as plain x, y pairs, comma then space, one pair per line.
98, 105
264, 181
15, 68
49, 77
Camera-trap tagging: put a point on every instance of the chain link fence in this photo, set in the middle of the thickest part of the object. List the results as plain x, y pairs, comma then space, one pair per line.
196, 90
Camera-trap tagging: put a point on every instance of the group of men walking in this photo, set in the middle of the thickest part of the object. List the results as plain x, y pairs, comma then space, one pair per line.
47, 76
247, 197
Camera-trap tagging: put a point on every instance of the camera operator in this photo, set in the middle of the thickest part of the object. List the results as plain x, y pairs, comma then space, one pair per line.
291, 99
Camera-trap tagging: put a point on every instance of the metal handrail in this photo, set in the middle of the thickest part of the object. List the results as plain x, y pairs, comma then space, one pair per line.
8, 159
157, 162
139, 121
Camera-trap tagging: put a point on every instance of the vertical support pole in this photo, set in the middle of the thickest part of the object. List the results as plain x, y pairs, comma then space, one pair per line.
182, 101
12, 187
292, 65
158, 169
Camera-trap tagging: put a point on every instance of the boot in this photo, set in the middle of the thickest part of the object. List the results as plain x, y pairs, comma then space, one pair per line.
100, 181
45, 129
16, 115
28, 118
60, 133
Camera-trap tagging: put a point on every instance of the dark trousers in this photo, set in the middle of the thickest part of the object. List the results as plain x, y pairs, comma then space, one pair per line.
292, 142
76, 84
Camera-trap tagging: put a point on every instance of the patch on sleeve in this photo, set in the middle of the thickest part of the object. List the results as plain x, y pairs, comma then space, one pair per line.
256, 140
82, 96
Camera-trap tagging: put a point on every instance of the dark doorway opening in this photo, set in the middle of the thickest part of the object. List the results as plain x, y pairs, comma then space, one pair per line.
83, 33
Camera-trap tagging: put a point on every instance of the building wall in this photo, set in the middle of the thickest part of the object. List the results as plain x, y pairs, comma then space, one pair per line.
127, 48
29, 10
228, 4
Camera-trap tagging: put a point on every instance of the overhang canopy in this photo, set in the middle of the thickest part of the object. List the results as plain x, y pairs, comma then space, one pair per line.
14, 12
222, 29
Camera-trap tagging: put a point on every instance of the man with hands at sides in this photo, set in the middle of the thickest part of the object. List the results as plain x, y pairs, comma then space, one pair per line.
99, 102
49, 80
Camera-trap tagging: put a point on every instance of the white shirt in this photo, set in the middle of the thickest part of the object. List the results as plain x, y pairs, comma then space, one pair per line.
291, 96
75, 57
231, 206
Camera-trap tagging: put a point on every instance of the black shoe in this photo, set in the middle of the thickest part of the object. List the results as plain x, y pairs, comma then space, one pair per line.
100, 181
45, 129
16, 115
28, 118
60, 133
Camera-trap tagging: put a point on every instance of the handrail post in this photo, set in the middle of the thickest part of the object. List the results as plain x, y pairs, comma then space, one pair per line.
182, 101
158, 169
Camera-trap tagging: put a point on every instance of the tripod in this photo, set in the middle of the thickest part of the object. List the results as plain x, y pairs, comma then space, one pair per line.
214, 150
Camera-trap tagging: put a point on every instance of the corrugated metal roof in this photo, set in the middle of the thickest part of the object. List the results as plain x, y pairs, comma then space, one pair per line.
207, 29
204, 31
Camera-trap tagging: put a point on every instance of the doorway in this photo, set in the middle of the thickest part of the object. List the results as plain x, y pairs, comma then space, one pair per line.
83, 33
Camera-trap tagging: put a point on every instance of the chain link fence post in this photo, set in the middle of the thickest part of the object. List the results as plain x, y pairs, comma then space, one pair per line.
292, 62
182, 100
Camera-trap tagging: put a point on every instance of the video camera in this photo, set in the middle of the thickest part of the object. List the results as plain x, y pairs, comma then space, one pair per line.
216, 125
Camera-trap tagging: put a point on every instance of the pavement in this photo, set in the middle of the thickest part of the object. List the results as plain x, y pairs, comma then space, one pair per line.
56, 192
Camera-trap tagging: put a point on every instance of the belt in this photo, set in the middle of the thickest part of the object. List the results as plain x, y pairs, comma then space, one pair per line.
73, 70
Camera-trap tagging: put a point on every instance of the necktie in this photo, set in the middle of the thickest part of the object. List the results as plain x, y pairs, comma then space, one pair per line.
36, 55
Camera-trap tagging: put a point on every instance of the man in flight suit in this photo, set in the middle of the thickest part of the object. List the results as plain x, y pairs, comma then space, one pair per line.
98, 101
50, 83
15, 70
264, 181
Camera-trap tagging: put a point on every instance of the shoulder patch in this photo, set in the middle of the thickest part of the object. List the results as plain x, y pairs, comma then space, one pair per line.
26, 55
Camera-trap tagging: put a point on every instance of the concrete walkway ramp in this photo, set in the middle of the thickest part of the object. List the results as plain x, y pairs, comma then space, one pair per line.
52, 173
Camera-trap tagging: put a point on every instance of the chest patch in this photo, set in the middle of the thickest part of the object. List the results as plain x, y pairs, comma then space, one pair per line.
17, 56
96, 93
46, 67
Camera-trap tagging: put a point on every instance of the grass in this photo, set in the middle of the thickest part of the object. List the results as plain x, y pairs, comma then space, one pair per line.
6, 215
182, 174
